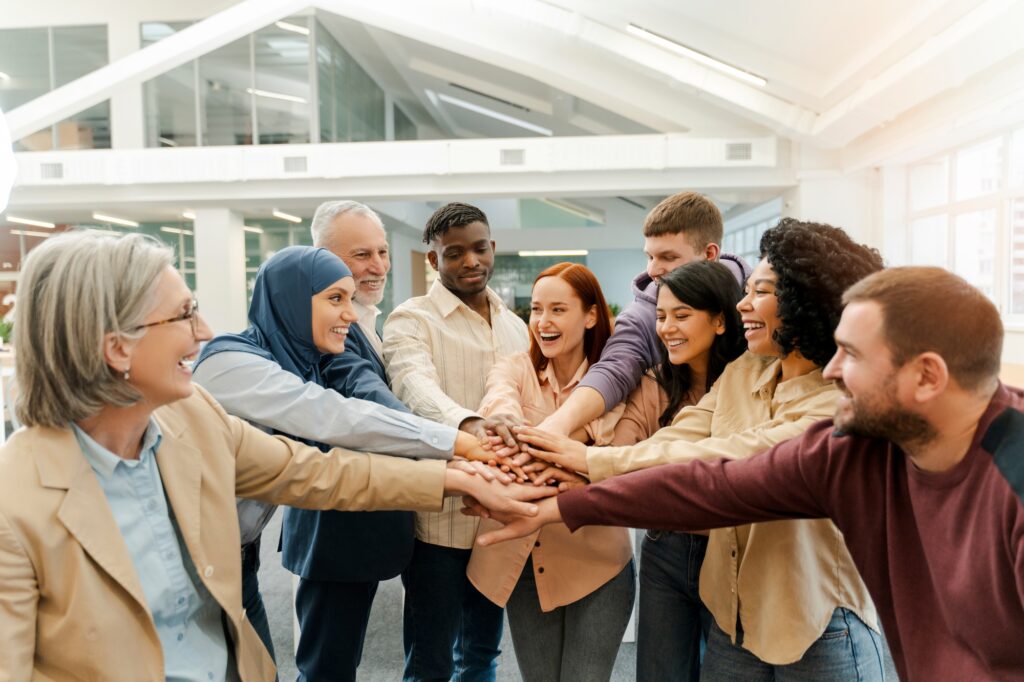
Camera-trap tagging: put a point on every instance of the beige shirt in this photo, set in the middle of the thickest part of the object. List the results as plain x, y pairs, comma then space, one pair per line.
437, 352
784, 578
566, 566
368, 323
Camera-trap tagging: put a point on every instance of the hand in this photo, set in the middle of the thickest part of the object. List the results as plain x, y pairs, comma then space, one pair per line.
501, 426
519, 526
550, 447
494, 496
470, 447
473, 468
551, 474
474, 426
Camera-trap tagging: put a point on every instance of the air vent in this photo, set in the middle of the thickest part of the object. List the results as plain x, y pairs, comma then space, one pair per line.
51, 171
295, 164
513, 157
738, 151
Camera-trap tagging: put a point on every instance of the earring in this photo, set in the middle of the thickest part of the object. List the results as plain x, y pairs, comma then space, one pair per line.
126, 373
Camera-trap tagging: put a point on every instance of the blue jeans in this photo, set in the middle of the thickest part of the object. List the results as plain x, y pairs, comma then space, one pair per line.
847, 651
450, 630
252, 601
672, 621
577, 642
332, 627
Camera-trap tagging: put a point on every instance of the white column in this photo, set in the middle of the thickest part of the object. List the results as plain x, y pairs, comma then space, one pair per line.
127, 127
220, 268
849, 201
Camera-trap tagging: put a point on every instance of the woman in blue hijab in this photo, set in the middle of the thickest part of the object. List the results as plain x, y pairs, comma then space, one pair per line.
270, 375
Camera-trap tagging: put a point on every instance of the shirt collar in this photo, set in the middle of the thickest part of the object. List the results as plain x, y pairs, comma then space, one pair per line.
767, 383
104, 462
547, 376
367, 314
447, 302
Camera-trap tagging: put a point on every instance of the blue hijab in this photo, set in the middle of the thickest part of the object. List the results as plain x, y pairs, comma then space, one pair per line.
281, 312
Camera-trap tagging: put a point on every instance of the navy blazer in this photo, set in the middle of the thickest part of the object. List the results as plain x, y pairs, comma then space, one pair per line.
350, 546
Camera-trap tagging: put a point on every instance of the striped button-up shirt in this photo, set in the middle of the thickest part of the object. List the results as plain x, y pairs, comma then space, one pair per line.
438, 352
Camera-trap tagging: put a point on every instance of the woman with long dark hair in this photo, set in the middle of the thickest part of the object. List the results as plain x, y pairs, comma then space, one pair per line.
701, 332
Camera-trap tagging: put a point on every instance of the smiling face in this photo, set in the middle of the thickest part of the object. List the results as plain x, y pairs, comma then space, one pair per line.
464, 259
160, 361
759, 311
558, 320
361, 242
332, 315
871, 403
666, 252
687, 333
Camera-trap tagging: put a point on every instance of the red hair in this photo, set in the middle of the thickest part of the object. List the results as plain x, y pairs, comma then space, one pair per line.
588, 290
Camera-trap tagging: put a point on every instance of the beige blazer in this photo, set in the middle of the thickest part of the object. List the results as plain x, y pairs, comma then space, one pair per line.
71, 603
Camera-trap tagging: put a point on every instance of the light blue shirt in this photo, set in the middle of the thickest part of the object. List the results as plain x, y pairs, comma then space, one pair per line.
187, 617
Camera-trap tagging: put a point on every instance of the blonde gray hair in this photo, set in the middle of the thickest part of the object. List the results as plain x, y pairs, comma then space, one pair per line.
328, 211
73, 290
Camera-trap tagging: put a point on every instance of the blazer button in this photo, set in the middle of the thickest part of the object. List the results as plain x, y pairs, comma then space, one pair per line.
208, 572
540, 570
537, 543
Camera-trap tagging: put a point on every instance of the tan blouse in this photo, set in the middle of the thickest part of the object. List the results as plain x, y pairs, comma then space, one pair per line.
784, 579
567, 566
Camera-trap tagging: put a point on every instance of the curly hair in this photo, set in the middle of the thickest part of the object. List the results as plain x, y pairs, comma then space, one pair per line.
814, 264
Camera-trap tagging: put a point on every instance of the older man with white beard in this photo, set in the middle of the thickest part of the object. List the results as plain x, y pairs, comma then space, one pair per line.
341, 557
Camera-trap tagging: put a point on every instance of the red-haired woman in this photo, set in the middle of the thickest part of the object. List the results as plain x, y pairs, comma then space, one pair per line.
569, 596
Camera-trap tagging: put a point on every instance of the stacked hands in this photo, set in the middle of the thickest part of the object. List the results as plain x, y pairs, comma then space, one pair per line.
531, 462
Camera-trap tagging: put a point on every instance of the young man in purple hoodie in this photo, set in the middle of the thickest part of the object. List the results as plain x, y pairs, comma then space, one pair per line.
683, 228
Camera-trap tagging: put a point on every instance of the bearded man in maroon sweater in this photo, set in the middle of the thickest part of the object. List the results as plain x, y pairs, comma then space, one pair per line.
922, 469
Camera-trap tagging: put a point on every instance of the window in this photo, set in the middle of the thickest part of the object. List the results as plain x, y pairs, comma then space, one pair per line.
966, 210
38, 60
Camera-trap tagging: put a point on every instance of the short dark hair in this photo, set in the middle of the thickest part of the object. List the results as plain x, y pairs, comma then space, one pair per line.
930, 309
688, 212
814, 264
449, 216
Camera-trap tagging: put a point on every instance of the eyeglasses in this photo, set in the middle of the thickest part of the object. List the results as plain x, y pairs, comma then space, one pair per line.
192, 316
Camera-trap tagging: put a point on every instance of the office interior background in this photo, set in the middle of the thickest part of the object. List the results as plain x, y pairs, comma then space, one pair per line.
218, 126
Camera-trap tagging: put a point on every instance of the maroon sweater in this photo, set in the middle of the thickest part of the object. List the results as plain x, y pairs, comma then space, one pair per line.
941, 553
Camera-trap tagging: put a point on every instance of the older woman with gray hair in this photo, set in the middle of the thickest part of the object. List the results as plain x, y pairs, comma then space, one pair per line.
118, 531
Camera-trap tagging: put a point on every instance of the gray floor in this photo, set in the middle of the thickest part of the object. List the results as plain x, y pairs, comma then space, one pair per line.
382, 653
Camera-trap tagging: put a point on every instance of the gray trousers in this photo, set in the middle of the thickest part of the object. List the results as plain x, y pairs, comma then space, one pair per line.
578, 641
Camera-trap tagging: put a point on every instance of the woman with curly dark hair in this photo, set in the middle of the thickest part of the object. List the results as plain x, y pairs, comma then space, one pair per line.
786, 597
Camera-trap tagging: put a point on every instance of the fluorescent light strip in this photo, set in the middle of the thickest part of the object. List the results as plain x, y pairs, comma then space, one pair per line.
294, 28
30, 222
167, 141
673, 46
286, 216
575, 210
556, 252
490, 113
115, 221
253, 229
112, 233
6, 78
32, 233
177, 230
188, 215
275, 95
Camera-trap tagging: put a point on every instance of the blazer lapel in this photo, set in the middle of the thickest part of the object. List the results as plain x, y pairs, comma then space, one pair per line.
84, 510
181, 468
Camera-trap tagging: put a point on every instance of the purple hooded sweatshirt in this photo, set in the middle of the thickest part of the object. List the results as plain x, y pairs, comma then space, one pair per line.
634, 346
